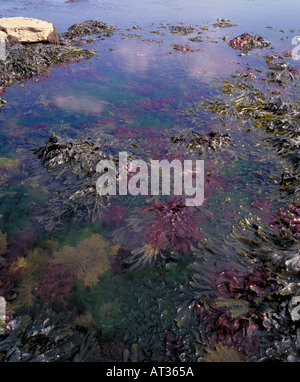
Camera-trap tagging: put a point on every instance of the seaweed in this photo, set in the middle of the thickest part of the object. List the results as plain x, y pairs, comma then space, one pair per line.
112, 351
8, 286
118, 262
132, 307
29, 268
197, 141
89, 27
28, 60
46, 336
55, 283
223, 354
251, 305
288, 221
277, 116
3, 243
169, 229
69, 168
88, 260
223, 23
22, 242
247, 42
182, 29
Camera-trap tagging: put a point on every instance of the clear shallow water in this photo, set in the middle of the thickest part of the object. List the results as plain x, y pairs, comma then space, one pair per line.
134, 94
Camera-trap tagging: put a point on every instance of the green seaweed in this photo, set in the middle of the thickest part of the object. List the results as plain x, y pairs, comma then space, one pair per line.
136, 307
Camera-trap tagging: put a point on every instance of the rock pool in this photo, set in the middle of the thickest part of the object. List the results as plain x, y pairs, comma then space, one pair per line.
138, 275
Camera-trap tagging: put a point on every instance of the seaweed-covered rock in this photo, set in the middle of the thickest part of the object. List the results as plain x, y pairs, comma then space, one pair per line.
28, 60
25, 29
29, 56
89, 27
247, 42
182, 48
223, 23
69, 168
182, 29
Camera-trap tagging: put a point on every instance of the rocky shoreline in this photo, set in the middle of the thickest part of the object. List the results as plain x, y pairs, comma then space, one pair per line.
32, 50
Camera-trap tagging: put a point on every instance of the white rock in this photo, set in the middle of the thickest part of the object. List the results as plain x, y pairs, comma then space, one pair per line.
25, 29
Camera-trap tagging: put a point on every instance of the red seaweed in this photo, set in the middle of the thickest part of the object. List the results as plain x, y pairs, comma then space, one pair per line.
55, 285
174, 226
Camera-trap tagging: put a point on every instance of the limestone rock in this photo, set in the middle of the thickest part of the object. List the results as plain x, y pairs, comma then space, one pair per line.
25, 29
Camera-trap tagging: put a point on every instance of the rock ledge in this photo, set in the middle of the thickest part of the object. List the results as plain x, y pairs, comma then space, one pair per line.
27, 30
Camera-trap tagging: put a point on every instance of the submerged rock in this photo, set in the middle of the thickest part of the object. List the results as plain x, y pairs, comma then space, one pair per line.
25, 29
182, 29
247, 42
69, 168
182, 48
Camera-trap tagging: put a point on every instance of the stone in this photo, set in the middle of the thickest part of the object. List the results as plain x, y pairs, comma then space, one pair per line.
27, 30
